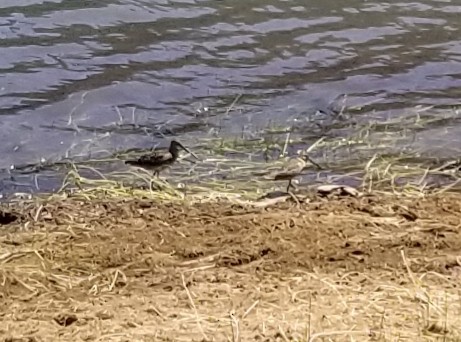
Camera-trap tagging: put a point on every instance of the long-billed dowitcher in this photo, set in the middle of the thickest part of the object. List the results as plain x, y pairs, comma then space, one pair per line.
294, 167
160, 160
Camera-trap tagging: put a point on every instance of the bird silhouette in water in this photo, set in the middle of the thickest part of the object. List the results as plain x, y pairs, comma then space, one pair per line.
160, 160
294, 167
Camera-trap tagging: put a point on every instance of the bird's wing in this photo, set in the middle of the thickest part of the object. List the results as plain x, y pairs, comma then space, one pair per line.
156, 157
285, 176
290, 168
150, 159
294, 165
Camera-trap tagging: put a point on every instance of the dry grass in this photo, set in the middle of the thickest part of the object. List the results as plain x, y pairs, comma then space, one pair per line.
380, 268
377, 155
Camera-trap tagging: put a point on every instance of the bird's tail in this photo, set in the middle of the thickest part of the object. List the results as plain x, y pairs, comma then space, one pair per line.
131, 162
264, 174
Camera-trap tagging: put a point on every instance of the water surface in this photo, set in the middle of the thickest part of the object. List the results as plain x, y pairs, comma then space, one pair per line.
81, 77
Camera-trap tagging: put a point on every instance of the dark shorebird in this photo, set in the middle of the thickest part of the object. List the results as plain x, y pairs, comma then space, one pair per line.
294, 167
160, 160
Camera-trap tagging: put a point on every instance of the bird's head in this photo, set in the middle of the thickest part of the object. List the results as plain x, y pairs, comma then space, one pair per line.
308, 159
175, 146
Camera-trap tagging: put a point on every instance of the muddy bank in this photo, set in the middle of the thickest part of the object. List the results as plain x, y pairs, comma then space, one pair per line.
373, 268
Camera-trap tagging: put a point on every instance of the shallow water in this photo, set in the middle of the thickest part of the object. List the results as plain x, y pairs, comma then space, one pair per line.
82, 77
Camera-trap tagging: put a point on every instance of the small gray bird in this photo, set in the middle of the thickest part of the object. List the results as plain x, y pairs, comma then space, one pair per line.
294, 167
160, 160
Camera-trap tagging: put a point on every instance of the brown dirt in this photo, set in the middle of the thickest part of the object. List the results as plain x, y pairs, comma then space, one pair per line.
369, 269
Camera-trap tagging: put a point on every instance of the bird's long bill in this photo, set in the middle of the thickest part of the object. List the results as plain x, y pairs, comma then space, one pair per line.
188, 151
314, 163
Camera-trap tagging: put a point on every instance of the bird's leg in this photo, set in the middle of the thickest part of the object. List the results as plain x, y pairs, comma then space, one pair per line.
292, 194
151, 183
295, 198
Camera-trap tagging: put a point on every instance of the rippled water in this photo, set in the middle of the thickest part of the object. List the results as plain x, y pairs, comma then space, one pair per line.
79, 77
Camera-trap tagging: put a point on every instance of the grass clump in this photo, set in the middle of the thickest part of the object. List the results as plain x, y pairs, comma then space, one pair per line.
360, 161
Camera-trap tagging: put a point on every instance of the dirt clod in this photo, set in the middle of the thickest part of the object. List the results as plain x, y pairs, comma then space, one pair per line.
65, 319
